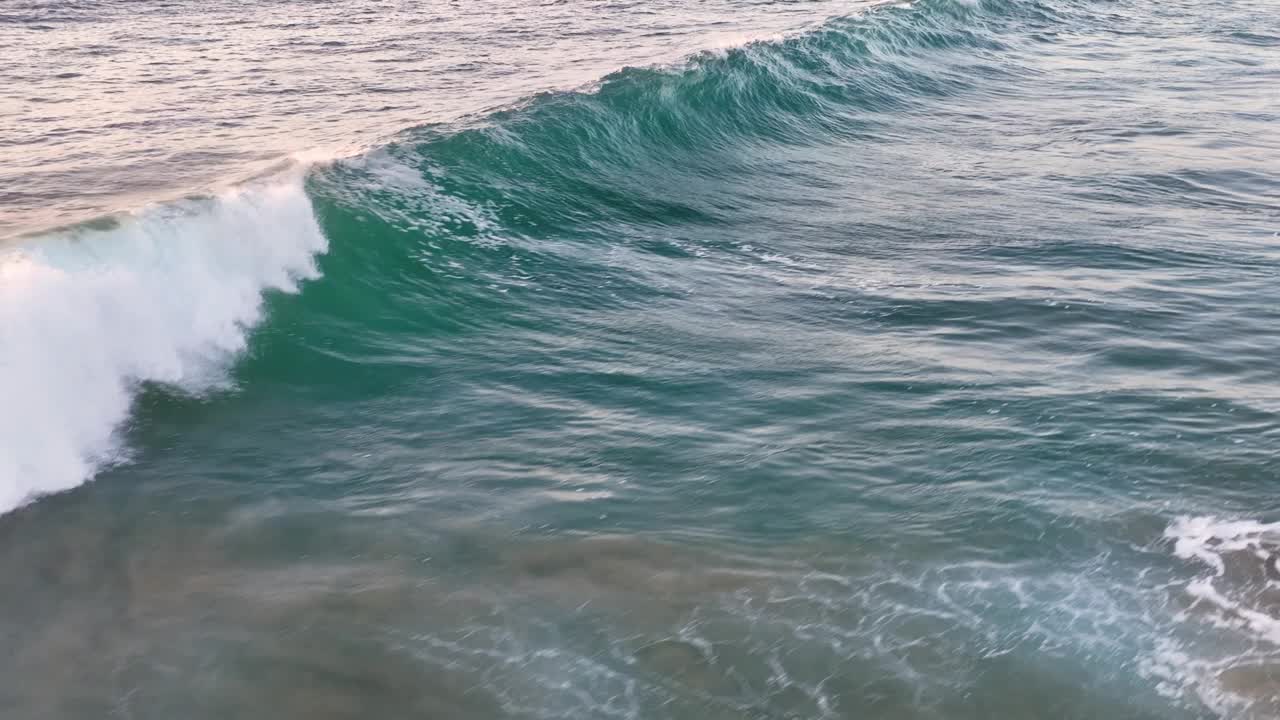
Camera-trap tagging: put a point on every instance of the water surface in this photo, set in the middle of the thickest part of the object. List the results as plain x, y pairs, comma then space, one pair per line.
909, 362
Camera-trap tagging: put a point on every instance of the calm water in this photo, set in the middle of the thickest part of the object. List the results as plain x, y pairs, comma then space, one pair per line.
609, 360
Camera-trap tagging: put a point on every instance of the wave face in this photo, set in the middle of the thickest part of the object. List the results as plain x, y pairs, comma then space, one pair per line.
166, 296
920, 365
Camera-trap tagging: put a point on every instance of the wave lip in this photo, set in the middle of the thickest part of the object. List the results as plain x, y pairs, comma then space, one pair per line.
166, 295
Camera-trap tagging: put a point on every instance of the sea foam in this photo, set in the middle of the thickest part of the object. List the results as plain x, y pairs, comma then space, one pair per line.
1225, 646
166, 295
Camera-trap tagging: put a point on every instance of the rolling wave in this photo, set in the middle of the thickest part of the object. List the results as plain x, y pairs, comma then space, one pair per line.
168, 295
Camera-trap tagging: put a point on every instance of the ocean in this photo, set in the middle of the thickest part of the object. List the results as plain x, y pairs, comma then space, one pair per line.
610, 359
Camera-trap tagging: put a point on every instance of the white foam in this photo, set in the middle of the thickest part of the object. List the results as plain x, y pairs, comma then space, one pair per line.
1212, 542
1228, 625
1207, 538
167, 296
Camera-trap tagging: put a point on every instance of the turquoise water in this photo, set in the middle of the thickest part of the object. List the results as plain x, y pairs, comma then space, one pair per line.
906, 362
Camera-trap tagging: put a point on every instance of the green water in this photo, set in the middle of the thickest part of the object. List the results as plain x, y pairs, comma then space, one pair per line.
919, 365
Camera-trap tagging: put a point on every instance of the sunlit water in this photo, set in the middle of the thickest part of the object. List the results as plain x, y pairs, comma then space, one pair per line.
910, 362
105, 105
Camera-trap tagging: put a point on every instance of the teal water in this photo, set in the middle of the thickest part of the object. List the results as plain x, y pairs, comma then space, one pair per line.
919, 363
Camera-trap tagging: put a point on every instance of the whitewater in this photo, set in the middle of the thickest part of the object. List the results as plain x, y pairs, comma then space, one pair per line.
166, 296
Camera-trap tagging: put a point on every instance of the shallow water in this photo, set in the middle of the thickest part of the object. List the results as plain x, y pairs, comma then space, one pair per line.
911, 362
